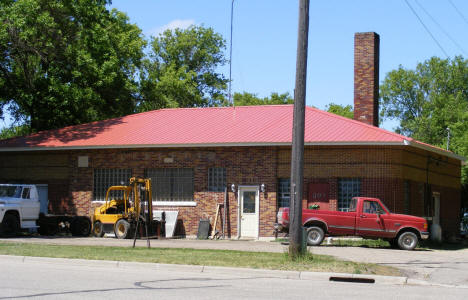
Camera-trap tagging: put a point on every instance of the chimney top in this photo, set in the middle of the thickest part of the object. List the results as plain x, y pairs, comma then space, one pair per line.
366, 77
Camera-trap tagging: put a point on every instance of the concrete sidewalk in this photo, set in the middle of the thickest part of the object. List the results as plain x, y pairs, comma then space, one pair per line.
445, 267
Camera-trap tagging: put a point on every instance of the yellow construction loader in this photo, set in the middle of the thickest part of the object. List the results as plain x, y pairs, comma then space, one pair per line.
128, 215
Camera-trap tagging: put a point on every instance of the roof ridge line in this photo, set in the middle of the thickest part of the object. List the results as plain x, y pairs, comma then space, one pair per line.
224, 107
361, 123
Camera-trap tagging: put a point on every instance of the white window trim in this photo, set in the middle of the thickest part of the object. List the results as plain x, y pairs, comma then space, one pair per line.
174, 203
161, 203
98, 201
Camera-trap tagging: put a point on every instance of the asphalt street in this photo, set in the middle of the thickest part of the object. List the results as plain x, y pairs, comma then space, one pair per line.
434, 266
70, 279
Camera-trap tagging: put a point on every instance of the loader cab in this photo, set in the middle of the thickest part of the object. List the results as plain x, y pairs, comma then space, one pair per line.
124, 209
118, 205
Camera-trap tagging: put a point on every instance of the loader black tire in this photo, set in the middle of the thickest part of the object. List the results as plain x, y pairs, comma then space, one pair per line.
98, 230
122, 229
80, 226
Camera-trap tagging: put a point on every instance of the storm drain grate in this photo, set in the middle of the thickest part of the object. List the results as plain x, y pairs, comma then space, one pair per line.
351, 279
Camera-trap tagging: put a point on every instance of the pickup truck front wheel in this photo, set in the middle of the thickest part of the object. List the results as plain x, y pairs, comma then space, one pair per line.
407, 240
315, 236
10, 225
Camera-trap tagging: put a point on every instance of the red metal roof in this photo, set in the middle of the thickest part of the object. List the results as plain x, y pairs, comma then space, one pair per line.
216, 126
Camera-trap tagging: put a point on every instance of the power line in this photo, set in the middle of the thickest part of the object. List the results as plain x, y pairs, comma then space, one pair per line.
440, 26
458, 11
427, 29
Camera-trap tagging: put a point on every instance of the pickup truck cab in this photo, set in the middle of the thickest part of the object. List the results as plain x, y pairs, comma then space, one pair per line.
19, 207
366, 217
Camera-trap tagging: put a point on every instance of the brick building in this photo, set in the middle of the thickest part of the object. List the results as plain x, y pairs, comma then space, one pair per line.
193, 154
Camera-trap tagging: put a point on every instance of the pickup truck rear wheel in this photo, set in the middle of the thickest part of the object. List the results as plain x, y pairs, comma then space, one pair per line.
315, 236
407, 240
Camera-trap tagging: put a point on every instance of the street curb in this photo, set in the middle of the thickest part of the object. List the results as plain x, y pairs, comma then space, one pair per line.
294, 275
426, 283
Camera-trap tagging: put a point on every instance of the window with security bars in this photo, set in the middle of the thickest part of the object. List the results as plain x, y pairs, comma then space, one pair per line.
347, 189
216, 179
105, 178
171, 184
407, 200
284, 192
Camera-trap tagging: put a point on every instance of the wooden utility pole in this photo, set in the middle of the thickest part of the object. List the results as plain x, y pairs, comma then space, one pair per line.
297, 157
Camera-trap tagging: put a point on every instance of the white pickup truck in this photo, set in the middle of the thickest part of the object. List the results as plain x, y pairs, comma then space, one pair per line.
19, 207
19, 210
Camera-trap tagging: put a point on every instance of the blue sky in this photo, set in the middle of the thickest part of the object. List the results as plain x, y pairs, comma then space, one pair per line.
265, 36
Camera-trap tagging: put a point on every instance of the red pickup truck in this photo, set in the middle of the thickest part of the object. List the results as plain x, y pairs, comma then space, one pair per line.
366, 217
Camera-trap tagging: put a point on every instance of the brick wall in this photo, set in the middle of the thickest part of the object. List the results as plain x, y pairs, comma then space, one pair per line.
382, 170
244, 166
51, 168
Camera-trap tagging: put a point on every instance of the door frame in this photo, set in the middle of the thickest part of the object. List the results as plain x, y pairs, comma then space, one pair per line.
257, 208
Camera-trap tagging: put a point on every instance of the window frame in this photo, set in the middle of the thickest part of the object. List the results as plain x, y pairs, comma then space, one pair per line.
110, 177
167, 175
407, 197
378, 209
216, 184
26, 193
284, 196
348, 195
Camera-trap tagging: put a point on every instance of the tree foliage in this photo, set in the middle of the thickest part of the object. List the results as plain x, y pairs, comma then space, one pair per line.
245, 98
337, 109
12, 131
66, 62
181, 70
428, 100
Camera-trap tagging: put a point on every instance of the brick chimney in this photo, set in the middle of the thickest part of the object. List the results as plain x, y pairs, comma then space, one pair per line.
366, 77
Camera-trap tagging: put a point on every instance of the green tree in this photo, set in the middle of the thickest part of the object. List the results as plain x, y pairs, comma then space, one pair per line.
428, 100
245, 98
181, 70
337, 109
12, 131
67, 62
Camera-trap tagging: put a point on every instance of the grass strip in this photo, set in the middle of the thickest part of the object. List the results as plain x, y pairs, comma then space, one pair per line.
226, 258
379, 243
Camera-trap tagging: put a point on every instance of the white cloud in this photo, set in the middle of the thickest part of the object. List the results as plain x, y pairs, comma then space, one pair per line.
181, 24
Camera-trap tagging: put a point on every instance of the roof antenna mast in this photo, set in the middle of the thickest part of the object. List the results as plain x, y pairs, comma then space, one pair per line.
231, 101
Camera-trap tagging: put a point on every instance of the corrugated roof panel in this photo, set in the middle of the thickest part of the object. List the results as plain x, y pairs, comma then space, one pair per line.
268, 124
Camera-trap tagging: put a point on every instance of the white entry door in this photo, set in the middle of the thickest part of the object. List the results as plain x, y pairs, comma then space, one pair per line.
249, 214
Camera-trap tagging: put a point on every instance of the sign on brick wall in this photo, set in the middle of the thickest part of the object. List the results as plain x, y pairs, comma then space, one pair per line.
319, 194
